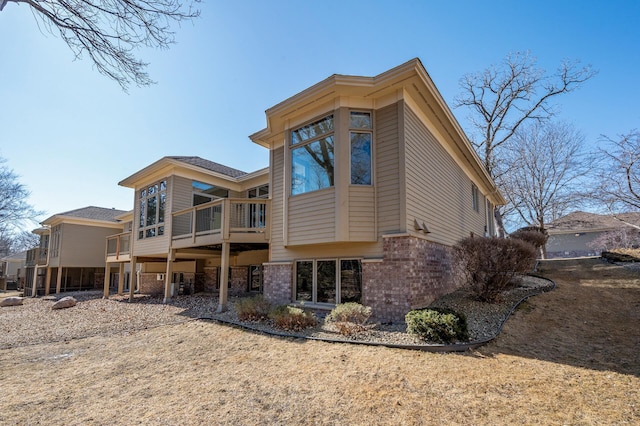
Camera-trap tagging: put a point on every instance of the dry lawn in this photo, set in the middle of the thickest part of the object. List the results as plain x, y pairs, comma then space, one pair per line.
566, 357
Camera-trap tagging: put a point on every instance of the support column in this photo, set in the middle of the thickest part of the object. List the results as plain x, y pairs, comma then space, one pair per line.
133, 280
59, 280
47, 282
224, 277
121, 279
34, 286
107, 276
168, 276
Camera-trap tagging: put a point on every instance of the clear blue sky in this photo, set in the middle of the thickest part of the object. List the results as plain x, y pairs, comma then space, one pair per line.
71, 134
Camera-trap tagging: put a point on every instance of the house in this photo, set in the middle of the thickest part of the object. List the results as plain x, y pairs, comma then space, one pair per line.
195, 224
370, 183
71, 252
574, 235
12, 270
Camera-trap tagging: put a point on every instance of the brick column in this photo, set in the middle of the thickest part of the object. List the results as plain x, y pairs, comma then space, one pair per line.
278, 282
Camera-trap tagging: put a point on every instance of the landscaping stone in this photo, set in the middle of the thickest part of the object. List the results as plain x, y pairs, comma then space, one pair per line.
11, 301
65, 302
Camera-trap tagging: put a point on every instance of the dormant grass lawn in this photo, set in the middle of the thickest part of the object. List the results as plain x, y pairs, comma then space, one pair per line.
571, 356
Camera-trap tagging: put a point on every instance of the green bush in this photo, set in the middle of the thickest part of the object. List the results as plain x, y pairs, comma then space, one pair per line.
291, 318
490, 265
349, 318
438, 325
254, 308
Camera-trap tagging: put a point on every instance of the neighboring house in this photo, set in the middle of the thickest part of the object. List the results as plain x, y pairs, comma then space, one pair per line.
572, 235
71, 252
195, 224
12, 270
371, 182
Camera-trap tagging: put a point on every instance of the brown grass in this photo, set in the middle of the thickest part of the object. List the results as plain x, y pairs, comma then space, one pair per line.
567, 357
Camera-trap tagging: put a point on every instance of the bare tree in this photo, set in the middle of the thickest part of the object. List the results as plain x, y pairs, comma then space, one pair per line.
619, 175
549, 172
504, 97
15, 211
108, 31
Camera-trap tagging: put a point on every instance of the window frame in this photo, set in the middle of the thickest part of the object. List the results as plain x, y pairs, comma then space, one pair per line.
157, 190
314, 284
475, 198
295, 144
363, 130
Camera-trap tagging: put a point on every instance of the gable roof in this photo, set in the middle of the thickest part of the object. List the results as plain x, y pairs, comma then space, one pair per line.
90, 213
584, 221
168, 164
209, 165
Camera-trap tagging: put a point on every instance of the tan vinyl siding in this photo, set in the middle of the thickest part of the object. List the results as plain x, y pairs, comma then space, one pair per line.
387, 166
311, 217
182, 193
438, 190
362, 226
277, 205
84, 246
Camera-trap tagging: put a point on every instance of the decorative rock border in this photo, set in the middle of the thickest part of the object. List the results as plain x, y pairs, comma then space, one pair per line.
428, 347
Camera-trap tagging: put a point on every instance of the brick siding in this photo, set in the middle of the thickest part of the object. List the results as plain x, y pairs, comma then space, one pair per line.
277, 282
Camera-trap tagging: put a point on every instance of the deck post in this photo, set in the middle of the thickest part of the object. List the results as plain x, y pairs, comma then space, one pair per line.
59, 280
107, 275
121, 279
47, 281
168, 277
133, 281
224, 277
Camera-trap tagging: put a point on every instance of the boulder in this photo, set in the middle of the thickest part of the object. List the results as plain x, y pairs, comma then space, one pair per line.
11, 301
65, 302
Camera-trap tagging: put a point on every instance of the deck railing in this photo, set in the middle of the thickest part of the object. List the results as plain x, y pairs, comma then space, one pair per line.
119, 245
36, 256
225, 216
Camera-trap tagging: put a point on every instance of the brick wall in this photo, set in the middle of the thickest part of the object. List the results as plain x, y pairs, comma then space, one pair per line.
239, 280
412, 273
149, 284
277, 282
210, 280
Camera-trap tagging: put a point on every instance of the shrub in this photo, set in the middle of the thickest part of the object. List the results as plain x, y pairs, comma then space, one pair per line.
349, 318
254, 308
490, 265
291, 318
532, 235
438, 325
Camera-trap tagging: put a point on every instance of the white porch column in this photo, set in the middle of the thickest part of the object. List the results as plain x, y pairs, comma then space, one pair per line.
168, 277
121, 278
107, 276
224, 277
133, 280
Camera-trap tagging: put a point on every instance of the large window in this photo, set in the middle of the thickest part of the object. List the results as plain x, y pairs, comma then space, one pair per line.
328, 281
360, 137
312, 154
203, 192
152, 210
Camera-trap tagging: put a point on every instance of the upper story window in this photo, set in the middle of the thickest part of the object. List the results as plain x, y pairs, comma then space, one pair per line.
153, 200
475, 200
203, 192
258, 192
312, 154
360, 136
55, 240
